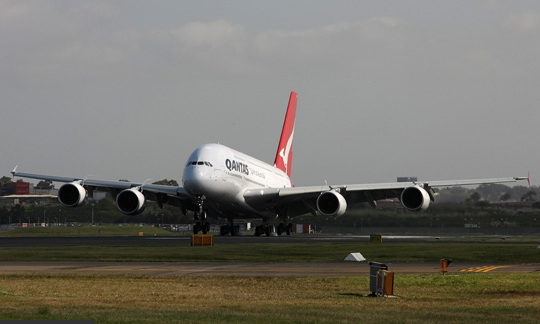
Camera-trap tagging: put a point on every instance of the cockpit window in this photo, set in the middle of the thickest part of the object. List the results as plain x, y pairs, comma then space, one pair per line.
199, 163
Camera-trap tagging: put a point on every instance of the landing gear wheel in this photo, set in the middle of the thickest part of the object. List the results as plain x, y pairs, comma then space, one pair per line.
196, 228
281, 227
206, 228
270, 230
235, 230
288, 230
224, 230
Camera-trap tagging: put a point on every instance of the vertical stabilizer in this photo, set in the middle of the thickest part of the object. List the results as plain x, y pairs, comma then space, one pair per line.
284, 153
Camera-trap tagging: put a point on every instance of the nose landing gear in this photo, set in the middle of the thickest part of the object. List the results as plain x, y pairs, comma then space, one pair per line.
200, 219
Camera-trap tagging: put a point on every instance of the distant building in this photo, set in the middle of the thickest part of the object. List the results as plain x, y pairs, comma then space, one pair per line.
15, 188
27, 199
25, 193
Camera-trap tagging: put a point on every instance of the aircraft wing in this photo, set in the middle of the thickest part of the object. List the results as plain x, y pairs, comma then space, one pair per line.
301, 200
159, 193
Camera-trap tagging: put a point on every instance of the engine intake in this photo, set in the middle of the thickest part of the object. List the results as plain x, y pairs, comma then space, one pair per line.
331, 203
72, 195
131, 202
415, 198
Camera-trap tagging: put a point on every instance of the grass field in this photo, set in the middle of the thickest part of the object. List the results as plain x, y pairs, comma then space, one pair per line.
291, 252
430, 298
469, 298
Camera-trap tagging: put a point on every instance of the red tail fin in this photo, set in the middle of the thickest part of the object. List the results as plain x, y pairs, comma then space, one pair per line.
284, 153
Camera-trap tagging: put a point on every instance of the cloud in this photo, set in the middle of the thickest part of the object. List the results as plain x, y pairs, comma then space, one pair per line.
14, 11
525, 21
214, 34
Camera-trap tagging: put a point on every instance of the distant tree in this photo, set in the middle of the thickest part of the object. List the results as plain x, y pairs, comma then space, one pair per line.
17, 212
5, 180
124, 180
474, 198
505, 197
45, 184
453, 194
519, 191
529, 196
491, 192
166, 182
4, 215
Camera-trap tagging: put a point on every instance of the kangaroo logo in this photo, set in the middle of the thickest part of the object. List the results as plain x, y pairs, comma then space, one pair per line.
284, 153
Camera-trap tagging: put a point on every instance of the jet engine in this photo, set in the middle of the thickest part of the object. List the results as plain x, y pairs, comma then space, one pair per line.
131, 201
72, 194
331, 203
415, 198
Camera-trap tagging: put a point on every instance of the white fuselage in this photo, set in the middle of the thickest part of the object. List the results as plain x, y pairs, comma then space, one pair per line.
220, 175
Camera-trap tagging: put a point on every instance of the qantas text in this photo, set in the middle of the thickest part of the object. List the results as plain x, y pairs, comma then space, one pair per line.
237, 166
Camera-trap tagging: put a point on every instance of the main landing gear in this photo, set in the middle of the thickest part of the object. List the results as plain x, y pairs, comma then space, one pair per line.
269, 229
230, 228
284, 228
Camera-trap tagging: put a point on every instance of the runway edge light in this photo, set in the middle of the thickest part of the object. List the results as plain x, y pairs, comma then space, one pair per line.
444, 265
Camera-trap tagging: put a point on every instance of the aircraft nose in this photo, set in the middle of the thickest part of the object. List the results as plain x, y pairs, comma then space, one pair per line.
196, 178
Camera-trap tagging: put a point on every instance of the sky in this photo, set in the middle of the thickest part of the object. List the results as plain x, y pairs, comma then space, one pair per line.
440, 90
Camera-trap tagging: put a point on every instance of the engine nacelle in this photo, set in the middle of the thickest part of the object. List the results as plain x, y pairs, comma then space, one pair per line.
331, 203
415, 198
131, 201
72, 195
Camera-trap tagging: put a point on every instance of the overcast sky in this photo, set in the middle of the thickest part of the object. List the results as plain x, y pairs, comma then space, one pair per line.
441, 90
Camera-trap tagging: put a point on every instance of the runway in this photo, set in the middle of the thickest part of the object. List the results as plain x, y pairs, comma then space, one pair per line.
238, 269
248, 239
250, 269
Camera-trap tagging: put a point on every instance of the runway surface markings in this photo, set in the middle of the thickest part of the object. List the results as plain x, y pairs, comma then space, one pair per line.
488, 268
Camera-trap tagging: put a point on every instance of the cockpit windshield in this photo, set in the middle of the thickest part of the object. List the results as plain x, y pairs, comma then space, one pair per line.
208, 164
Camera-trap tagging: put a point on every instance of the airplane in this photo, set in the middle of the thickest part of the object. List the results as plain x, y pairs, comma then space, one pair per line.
221, 182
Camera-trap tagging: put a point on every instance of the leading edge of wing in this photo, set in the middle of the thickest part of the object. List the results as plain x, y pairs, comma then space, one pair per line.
98, 183
265, 194
399, 185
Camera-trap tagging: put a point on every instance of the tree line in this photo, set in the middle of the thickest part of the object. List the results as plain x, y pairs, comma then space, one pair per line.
493, 205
